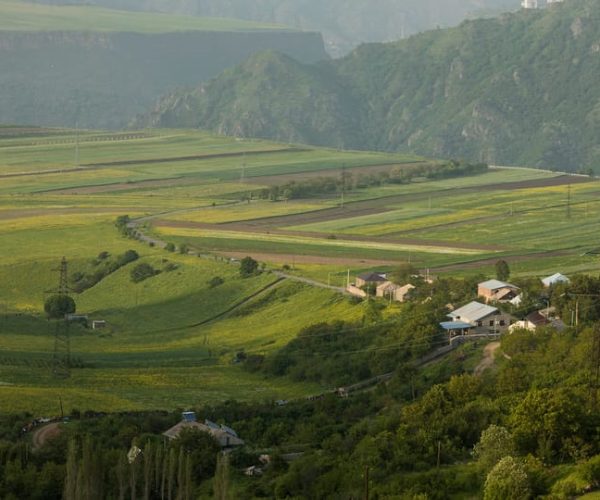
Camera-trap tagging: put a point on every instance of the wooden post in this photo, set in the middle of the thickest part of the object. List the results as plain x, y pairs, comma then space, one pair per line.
366, 482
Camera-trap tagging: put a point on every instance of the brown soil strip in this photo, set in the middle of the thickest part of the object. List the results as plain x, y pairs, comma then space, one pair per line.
291, 259
124, 186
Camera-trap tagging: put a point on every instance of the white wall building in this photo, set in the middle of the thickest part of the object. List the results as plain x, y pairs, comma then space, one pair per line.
538, 4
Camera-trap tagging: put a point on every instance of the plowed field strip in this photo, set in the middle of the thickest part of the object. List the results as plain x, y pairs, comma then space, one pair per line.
381, 205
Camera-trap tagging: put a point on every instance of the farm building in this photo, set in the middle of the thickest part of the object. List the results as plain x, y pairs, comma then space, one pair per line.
555, 279
496, 290
482, 318
394, 292
98, 324
225, 436
370, 279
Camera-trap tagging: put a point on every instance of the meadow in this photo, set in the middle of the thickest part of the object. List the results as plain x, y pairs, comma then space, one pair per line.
171, 340
21, 16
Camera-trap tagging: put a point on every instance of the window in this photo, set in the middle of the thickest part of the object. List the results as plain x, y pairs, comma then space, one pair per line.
480, 323
502, 322
491, 322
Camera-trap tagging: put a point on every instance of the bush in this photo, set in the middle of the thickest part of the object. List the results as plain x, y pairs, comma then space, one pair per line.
170, 247
215, 282
142, 271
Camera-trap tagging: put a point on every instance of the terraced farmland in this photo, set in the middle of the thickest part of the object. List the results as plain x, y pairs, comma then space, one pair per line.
171, 339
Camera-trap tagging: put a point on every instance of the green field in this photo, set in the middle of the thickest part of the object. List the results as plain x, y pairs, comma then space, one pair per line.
18, 15
171, 340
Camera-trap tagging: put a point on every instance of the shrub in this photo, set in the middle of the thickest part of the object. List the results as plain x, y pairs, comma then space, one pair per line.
215, 282
142, 271
170, 247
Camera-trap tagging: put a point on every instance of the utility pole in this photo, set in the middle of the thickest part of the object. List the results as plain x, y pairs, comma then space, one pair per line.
343, 184
569, 201
243, 174
595, 372
367, 482
76, 144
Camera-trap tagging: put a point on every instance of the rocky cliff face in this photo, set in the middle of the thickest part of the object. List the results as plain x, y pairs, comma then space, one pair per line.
103, 79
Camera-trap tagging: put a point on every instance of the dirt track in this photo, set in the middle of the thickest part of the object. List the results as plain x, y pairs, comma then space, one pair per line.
488, 358
43, 434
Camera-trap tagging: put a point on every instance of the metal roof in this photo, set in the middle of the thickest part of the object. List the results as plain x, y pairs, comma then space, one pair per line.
555, 278
496, 284
473, 311
456, 325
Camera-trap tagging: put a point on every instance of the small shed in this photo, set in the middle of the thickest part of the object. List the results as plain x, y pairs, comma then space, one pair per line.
555, 279
98, 324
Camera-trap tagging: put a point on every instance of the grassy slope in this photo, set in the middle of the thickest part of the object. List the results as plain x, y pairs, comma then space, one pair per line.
22, 16
152, 354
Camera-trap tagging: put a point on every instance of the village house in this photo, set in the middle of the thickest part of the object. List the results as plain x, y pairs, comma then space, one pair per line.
225, 436
497, 291
555, 279
391, 291
481, 318
370, 280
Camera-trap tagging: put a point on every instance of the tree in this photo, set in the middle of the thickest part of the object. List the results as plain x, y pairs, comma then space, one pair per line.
170, 247
495, 444
507, 481
57, 306
403, 273
502, 270
248, 267
141, 272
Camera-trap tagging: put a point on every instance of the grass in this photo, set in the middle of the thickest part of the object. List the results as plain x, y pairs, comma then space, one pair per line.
22, 16
171, 339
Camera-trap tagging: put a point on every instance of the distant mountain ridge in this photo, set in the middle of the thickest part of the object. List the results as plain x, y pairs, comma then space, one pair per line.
343, 23
518, 89
96, 68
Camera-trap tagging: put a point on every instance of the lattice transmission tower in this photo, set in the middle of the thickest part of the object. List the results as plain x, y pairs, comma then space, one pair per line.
61, 358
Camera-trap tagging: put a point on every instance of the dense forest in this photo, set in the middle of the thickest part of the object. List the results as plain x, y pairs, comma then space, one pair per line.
526, 427
518, 89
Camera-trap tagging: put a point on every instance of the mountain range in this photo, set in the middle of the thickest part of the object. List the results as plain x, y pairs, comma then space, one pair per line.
517, 89
343, 23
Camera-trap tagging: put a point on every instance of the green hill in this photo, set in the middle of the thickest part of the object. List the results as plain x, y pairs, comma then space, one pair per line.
518, 89
97, 67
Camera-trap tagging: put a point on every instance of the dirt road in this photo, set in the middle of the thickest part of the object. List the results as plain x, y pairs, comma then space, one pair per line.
488, 358
43, 434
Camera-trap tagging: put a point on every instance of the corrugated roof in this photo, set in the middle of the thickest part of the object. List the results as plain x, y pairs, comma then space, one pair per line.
554, 279
496, 284
473, 311
455, 325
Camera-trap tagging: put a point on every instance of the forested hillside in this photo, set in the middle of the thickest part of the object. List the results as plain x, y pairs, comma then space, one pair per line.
518, 89
344, 23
